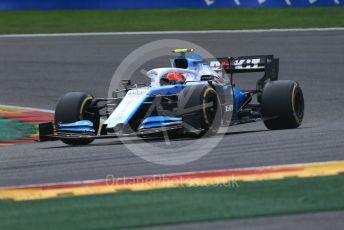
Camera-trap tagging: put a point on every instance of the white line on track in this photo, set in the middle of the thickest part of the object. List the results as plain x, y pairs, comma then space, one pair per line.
28, 108
168, 174
171, 32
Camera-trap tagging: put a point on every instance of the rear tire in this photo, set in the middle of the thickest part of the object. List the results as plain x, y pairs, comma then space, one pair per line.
72, 107
200, 108
282, 105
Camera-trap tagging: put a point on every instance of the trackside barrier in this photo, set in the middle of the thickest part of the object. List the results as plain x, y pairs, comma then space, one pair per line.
159, 4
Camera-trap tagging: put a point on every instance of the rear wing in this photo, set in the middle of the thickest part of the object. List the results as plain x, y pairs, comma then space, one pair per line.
245, 64
248, 64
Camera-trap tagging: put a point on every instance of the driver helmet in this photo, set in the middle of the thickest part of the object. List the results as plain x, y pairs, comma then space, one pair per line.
174, 78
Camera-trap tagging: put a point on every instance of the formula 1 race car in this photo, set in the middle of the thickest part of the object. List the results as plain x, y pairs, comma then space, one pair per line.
192, 98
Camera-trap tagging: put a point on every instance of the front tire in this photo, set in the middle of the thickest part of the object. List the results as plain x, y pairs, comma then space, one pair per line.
282, 105
73, 107
200, 108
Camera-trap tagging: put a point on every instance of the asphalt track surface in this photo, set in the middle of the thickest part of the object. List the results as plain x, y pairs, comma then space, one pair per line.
35, 72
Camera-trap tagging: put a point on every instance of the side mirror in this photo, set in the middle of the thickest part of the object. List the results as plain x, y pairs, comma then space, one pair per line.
126, 83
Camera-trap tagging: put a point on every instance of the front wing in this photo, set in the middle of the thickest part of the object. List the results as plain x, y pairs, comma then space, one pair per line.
52, 132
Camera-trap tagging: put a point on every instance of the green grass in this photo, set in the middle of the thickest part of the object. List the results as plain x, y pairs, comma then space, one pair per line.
180, 205
13, 22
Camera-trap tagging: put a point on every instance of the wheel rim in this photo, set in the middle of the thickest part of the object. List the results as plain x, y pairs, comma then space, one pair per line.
298, 104
210, 108
89, 115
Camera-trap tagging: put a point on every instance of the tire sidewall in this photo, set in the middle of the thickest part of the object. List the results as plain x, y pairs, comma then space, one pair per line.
279, 104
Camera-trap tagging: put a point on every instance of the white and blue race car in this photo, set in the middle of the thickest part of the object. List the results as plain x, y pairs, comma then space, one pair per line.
192, 98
